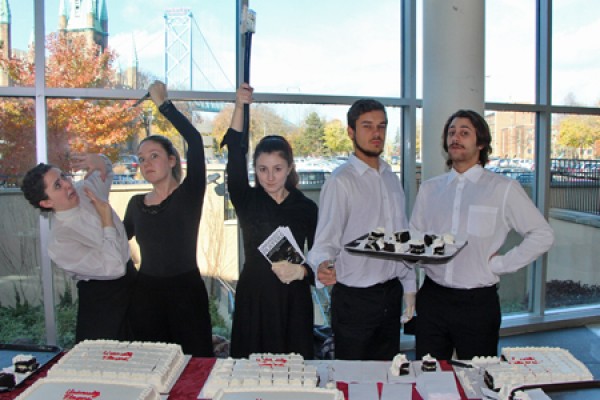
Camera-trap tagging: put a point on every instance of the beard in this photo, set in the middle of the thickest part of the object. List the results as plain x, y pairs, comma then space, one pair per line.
366, 152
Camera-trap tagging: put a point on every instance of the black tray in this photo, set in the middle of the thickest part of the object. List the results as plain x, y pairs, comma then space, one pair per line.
43, 354
451, 251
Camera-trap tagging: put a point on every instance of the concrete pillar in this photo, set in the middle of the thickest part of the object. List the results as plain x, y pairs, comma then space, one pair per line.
453, 71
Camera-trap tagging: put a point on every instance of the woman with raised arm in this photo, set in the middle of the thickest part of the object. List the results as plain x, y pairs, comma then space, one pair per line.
170, 301
273, 303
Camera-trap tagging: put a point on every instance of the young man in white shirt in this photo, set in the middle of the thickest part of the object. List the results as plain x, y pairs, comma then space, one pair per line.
458, 304
88, 241
360, 196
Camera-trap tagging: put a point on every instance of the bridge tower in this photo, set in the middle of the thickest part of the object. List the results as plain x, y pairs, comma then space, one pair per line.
178, 48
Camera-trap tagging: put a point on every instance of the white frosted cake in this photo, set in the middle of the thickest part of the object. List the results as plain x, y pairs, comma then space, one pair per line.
46, 389
279, 393
158, 364
261, 371
533, 366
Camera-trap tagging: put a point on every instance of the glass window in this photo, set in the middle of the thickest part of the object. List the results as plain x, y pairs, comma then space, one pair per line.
16, 43
17, 139
575, 63
574, 213
21, 305
513, 142
513, 145
189, 45
510, 51
327, 47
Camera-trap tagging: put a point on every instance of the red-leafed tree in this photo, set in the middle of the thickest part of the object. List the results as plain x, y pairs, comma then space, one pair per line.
72, 125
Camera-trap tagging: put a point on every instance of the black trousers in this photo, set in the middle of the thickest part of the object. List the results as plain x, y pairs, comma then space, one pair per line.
103, 307
173, 309
366, 321
465, 320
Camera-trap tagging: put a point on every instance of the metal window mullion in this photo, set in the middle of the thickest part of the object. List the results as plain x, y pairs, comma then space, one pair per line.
541, 187
408, 93
42, 156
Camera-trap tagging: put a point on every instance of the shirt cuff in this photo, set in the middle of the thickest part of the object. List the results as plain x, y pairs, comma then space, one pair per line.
409, 285
496, 265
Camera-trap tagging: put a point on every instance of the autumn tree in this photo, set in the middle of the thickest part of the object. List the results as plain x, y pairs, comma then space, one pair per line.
263, 121
311, 141
336, 137
579, 132
72, 125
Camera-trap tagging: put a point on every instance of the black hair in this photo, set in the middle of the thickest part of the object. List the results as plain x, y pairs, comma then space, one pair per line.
171, 151
34, 187
482, 131
363, 106
275, 143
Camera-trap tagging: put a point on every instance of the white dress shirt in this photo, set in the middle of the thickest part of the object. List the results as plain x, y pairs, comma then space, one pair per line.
80, 245
355, 200
481, 207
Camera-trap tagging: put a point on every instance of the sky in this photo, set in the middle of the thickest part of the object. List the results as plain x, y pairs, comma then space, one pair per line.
341, 47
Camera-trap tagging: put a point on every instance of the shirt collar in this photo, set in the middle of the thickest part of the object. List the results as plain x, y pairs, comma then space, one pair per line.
67, 214
472, 174
362, 167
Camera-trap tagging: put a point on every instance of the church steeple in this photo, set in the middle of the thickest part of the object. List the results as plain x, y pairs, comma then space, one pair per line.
131, 75
4, 12
85, 17
104, 21
63, 15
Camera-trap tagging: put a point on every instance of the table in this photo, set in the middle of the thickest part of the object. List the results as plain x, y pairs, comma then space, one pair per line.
198, 369
191, 380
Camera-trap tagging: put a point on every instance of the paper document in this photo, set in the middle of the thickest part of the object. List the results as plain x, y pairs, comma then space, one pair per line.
281, 246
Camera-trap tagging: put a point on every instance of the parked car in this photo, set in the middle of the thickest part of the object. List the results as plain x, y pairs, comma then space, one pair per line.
511, 172
127, 164
123, 179
306, 176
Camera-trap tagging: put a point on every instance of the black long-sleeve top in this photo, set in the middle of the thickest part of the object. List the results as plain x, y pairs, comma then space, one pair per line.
167, 233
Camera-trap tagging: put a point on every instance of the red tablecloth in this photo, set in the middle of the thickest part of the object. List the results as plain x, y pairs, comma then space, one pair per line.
192, 379
415, 394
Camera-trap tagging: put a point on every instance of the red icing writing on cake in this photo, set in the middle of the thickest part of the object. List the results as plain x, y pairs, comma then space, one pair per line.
524, 360
117, 356
73, 394
271, 362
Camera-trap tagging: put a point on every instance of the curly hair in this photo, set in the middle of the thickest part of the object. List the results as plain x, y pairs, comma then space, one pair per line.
33, 186
482, 131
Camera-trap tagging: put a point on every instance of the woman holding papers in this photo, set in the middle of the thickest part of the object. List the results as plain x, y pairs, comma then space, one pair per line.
273, 304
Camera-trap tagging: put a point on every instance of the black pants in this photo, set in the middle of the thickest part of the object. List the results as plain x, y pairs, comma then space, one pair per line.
103, 307
173, 309
467, 320
366, 321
